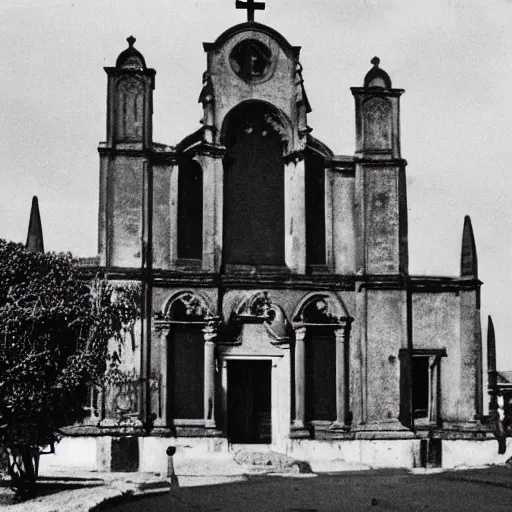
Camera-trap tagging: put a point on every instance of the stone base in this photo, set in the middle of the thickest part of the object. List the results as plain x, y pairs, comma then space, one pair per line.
385, 430
148, 453
299, 432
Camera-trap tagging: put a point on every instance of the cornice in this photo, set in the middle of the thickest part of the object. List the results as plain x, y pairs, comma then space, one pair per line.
380, 161
375, 91
283, 279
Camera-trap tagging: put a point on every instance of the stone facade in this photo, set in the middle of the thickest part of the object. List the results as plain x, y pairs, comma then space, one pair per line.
320, 337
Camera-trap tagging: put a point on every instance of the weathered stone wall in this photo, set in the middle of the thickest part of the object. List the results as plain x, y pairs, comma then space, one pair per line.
125, 211
385, 336
161, 216
343, 241
436, 325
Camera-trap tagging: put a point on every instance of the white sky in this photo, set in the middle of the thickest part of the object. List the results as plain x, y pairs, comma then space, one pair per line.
453, 58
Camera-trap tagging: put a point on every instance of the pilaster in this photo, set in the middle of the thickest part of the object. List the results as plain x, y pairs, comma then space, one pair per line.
161, 334
295, 214
210, 159
210, 335
298, 424
342, 375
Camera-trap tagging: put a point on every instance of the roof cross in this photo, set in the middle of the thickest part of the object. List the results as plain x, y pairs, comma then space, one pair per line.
250, 6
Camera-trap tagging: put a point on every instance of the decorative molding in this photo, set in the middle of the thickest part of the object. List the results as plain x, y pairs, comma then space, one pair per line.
379, 160
259, 308
364, 91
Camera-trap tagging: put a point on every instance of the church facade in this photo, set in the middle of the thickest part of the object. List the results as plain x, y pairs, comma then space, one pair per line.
277, 306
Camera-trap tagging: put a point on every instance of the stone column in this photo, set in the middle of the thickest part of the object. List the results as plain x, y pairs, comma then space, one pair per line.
210, 333
342, 373
300, 379
161, 420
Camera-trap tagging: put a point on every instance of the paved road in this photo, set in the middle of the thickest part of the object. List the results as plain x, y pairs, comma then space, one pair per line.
468, 491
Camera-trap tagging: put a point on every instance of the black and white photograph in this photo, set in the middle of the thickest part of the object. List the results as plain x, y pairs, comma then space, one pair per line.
255, 255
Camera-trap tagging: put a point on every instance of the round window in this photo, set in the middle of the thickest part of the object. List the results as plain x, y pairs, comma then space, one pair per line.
251, 60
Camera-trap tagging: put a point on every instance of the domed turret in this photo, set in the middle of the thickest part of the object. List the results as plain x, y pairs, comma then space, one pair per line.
131, 58
377, 77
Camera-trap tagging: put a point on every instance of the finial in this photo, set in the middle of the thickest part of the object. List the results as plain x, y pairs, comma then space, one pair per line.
131, 41
491, 345
375, 61
491, 367
468, 257
35, 231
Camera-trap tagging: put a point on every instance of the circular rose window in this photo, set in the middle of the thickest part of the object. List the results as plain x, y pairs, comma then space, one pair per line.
251, 60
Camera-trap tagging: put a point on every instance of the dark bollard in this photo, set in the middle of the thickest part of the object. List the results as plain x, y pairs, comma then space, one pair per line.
171, 475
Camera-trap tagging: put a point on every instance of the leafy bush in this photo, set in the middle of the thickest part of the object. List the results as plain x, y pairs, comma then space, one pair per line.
55, 329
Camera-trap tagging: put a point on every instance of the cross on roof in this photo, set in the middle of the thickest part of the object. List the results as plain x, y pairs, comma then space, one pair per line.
250, 6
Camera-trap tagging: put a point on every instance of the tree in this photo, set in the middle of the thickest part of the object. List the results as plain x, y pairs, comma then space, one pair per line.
55, 330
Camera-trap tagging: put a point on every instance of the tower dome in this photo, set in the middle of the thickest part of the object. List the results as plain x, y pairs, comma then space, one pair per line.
377, 77
131, 58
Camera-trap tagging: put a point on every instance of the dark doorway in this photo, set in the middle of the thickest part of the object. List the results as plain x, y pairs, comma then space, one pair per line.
249, 399
320, 374
186, 386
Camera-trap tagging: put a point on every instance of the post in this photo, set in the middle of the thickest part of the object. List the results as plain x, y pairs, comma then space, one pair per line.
171, 475
210, 333
300, 380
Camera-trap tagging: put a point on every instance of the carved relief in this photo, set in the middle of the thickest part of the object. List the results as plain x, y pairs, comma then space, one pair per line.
130, 109
186, 307
320, 308
377, 124
260, 308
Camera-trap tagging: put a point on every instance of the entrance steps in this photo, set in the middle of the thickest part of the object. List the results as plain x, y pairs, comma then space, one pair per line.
261, 459
240, 462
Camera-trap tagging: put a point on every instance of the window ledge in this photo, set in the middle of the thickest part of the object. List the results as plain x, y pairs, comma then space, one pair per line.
184, 263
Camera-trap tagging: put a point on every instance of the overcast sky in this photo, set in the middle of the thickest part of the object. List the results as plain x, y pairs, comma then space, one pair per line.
453, 58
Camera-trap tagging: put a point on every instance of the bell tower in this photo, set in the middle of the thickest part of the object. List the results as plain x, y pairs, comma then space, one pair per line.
381, 205
380, 210
124, 169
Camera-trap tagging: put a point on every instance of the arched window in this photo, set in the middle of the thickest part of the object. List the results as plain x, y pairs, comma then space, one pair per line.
190, 210
315, 209
130, 104
253, 188
185, 376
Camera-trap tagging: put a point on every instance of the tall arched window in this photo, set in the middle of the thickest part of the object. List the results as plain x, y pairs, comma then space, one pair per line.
190, 210
315, 209
253, 188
